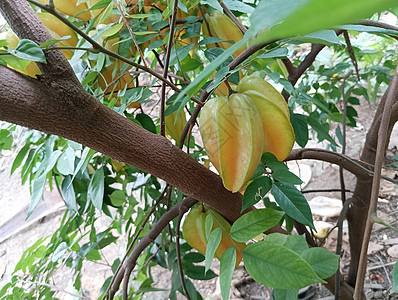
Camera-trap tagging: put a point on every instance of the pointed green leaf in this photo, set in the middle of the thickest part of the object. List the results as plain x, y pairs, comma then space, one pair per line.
293, 203
28, 50
66, 162
227, 267
268, 262
69, 194
322, 261
254, 223
212, 245
256, 191
96, 189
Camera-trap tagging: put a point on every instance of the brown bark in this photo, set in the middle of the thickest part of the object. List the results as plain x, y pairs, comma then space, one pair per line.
361, 198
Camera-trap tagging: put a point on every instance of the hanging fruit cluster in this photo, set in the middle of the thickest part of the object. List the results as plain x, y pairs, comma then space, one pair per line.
237, 129
194, 231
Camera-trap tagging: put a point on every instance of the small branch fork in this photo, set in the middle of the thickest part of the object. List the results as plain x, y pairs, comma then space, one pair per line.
381, 146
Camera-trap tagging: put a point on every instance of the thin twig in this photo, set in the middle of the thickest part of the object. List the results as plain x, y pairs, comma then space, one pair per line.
342, 186
325, 191
136, 237
166, 68
184, 287
126, 23
233, 17
128, 266
381, 145
351, 52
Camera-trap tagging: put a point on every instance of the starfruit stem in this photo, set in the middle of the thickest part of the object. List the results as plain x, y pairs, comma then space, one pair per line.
230, 90
203, 207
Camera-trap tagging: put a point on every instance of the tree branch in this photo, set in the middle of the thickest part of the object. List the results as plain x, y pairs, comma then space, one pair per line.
27, 25
381, 146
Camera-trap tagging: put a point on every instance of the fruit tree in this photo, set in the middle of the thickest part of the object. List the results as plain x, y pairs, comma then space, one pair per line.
141, 111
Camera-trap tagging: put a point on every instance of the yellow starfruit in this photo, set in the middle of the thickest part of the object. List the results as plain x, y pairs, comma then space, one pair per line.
232, 134
220, 26
175, 124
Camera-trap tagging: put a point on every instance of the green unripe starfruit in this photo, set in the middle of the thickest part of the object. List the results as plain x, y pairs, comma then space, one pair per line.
194, 231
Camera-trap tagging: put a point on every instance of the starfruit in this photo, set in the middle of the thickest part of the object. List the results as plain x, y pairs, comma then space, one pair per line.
220, 26
258, 84
71, 8
232, 134
175, 124
58, 30
194, 232
278, 132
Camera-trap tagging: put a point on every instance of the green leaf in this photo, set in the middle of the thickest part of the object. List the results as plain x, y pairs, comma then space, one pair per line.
322, 131
146, 122
20, 157
208, 226
287, 18
369, 29
300, 128
277, 53
239, 6
198, 272
96, 188
227, 267
66, 162
395, 278
268, 262
118, 198
112, 30
212, 245
286, 176
69, 194
40, 180
272, 162
285, 294
254, 223
28, 50
194, 257
87, 154
325, 37
322, 261
296, 243
106, 14
94, 254
293, 203
256, 191
59, 252
213, 3
180, 53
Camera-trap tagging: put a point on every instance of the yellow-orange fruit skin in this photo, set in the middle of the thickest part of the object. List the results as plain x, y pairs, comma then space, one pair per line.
175, 124
219, 25
258, 84
69, 7
232, 135
194, 232
278, 132
57, 30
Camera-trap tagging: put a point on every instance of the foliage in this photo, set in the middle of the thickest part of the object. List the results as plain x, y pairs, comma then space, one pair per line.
94, 187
